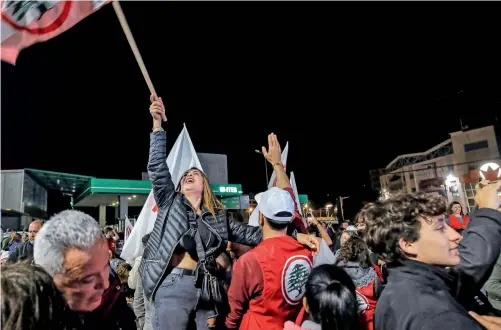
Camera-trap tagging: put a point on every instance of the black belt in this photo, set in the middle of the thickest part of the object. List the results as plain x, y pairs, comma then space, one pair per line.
184, 271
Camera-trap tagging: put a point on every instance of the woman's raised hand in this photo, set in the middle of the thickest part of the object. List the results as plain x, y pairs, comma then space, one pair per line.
157, 111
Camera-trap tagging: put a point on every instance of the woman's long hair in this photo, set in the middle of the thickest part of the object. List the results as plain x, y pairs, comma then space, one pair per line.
355, 250
331, 298
449, 211
209, 200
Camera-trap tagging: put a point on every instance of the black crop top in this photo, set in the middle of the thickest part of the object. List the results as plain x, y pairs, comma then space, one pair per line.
188, 243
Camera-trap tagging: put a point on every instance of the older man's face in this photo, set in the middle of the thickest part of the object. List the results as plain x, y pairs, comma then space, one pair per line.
85, 277
33, 230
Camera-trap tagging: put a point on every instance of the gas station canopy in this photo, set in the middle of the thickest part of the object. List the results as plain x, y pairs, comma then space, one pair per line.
91, 191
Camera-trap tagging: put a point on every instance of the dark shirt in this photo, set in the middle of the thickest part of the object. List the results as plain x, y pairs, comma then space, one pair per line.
22, 252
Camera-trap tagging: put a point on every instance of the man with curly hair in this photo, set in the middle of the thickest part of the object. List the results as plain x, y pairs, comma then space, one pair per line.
434, 272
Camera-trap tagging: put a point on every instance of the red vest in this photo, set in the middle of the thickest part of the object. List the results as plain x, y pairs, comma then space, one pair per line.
285, 265
456, 224
366, 306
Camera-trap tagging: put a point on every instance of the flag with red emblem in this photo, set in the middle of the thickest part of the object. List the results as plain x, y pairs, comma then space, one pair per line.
25, 23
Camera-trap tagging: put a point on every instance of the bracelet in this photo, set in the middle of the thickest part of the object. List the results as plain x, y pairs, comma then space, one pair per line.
281, 165
158, 129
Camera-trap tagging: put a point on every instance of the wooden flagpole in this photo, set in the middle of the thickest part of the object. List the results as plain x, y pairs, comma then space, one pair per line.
133, 46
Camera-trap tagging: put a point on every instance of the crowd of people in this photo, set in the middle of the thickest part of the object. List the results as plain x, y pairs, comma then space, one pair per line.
408, 262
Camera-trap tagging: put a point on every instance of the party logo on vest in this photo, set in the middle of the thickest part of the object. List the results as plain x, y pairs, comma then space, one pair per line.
294, 276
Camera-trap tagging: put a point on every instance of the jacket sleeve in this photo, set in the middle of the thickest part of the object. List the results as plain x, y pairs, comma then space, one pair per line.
243, 234
163, 187
483, 234
134, 274
493, 284
246, 284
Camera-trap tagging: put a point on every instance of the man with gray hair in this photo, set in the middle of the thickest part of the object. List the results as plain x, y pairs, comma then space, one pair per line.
73, 250
25, 249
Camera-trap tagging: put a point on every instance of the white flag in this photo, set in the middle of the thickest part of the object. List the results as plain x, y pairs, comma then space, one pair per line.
296, 195
181, 158
128, 228
273, 180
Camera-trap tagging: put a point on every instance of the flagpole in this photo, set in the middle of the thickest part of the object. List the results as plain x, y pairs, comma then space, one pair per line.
133, 46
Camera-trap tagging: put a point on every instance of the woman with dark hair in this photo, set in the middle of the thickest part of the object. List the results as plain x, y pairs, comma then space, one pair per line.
178, 268
457, 220
354, 260
30, 300
330, 301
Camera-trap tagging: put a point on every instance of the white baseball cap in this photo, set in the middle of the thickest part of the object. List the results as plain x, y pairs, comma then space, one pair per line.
5, 255
270, 203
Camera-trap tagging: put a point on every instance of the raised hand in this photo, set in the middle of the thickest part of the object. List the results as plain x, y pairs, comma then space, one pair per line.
157, 111
274, 152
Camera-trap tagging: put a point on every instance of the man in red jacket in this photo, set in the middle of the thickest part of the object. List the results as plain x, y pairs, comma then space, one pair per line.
268, 281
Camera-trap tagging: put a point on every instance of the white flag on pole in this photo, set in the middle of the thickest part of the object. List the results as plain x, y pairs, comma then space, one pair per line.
128, 228
296, 195
273, 180
181, 158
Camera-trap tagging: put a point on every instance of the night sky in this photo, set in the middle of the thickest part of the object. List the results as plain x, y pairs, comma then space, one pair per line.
349, 85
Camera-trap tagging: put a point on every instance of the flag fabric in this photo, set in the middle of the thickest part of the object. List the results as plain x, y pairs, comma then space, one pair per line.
25, 23
273, 180
296, 195
181, 158
128, 228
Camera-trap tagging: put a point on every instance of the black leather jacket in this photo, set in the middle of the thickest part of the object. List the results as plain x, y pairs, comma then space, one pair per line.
172, 223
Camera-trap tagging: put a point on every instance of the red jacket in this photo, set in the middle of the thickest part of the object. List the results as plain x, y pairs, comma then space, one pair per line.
456, 224
282, 265
366, 306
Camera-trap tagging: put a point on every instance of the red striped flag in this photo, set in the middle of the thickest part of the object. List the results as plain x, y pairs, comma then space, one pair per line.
25, 23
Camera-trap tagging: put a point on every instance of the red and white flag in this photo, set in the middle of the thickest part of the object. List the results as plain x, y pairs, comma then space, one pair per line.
128, 228
181, 158
273, 180
24, 23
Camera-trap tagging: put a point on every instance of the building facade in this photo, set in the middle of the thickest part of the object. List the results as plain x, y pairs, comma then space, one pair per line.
445, 169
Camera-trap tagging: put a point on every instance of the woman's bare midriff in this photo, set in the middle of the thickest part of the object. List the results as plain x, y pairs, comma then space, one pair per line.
182, 259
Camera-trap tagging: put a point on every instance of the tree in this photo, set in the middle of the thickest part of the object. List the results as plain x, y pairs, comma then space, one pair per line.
298, 277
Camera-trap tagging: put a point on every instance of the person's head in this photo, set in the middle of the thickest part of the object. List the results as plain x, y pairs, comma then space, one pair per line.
412, 226
275, 209
33, 230
17, 237
196, 184
145, 239
4, 257
360, 222
355, 250
456, 209
123, 271
71, 248
330, 298
324, 225
346, 235
30, 299
108, 232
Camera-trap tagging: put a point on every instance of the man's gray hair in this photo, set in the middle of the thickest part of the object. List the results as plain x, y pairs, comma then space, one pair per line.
65, 230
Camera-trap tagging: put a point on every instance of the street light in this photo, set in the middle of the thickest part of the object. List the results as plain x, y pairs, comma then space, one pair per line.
265, 167
327, 208
341, 204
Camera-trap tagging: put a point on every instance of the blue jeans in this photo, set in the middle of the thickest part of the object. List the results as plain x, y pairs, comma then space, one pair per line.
175, 306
